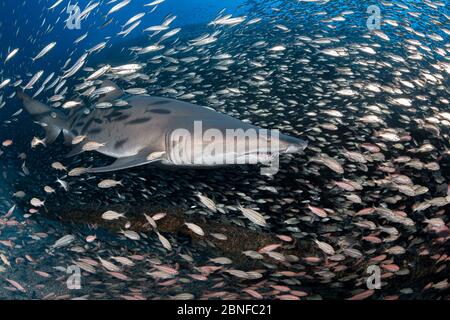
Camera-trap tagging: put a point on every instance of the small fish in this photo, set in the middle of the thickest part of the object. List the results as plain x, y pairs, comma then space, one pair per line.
44, 51
169, 34
91, 238
81, 38
5, 260
154, 3
159, 216
228, 20
166, 244
42, 274
277, 48
63, 184
11, 55
19, 194
125, 261
195, 228
10, 211
78, 139
16, 285
112, 215
131, 234
35, 202
207, 202
103, 105
269, 248
4, 83
363, 295
49, 189
325, 247
253, 216
151, 48
131, 28
64, 241
92, 146
71, 104
109, 183
318, 211
7, 143
36, 142
118, 6
109, 265
219, 236
57, 3
99, 73
134, 18
221, 260
33, 80
156, 155
77, 172
151, 221
119, 275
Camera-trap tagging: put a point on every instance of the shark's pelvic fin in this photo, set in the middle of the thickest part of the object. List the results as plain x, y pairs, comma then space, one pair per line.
125, 163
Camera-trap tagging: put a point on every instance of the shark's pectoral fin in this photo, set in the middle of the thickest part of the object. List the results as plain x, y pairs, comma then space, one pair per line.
125, 163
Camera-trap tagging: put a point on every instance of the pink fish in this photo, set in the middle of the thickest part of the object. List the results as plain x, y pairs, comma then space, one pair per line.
363, 295
269, 248
318, 211
16, 285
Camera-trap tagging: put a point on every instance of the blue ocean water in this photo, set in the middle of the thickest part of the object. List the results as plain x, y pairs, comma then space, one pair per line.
313, 69
22, 23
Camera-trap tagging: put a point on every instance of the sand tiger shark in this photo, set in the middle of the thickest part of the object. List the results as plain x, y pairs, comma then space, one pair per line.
154, 129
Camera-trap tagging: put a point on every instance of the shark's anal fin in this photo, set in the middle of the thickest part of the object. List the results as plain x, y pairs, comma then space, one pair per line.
124, 163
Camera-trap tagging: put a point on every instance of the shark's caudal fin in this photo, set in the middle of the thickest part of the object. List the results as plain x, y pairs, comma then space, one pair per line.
51, 120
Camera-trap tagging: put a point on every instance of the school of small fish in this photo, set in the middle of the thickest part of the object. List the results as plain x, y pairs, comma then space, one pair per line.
371, 189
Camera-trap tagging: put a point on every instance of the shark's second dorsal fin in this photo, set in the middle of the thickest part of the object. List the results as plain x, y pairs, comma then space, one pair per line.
113, 95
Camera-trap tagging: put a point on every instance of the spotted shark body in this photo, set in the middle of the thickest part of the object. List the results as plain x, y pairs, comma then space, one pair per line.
143, 132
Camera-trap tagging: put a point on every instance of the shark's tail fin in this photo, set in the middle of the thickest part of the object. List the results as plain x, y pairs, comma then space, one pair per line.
51, 120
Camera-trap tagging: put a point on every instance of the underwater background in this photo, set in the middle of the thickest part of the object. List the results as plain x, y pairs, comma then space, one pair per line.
368, 88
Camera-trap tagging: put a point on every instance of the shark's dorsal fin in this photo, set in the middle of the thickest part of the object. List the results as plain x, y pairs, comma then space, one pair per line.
113, 95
